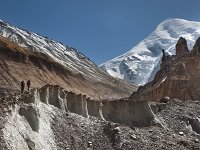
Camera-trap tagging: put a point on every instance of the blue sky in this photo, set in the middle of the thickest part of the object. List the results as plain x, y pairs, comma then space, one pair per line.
101, 29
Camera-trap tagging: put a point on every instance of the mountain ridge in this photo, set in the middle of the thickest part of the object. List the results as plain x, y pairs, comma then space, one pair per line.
177, 78
137, 65
28, 55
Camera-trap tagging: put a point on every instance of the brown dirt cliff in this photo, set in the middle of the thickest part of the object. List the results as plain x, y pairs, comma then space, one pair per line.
18, 63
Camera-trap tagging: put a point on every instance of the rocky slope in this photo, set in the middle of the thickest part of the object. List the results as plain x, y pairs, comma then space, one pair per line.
25, 55
34, 121
178, 76
28, 119
83, 109
140, 64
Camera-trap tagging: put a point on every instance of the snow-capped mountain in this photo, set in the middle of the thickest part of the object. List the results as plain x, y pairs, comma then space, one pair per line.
64, 55
28, 55
67, 56
140, 64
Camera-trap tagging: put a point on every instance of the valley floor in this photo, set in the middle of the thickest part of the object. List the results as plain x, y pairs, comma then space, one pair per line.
172, 131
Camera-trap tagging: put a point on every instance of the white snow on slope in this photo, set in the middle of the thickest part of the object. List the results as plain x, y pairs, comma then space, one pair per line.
62, 54
137, 64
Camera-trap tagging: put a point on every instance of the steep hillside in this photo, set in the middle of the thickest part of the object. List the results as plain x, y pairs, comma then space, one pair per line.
178, 76
140, 64
25, 55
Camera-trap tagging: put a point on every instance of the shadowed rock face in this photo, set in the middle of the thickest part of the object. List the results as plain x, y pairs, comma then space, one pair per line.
32, 116
195, 124
178, 77
128, 112
31, 144
131, 113
181, 47
196, 47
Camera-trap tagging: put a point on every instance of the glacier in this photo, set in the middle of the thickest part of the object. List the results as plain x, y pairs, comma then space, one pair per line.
140, 64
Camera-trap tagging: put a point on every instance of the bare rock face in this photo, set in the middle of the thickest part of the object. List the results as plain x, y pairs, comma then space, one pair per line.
178, 77
196, 48
131, 113
195, 124
181, 47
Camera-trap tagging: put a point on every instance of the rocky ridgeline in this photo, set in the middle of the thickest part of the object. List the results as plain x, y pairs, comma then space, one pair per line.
25, 55
178, 77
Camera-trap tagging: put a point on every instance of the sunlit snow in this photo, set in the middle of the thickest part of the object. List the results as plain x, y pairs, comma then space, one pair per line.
138, 64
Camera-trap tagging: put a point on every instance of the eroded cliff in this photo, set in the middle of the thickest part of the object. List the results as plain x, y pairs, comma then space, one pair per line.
26, 118
131, 113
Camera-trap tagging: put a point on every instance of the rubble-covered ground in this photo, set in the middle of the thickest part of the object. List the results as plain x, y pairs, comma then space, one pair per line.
176, 127
174, 131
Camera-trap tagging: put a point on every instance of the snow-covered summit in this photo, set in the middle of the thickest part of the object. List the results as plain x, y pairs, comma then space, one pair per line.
140, 64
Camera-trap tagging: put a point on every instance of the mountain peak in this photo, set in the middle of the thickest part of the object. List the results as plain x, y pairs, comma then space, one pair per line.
175, 20
143, 60
176, 77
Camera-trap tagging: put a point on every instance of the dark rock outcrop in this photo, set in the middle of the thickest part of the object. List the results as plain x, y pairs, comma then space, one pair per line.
196, 48
195, 124
181, 47
31, 144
